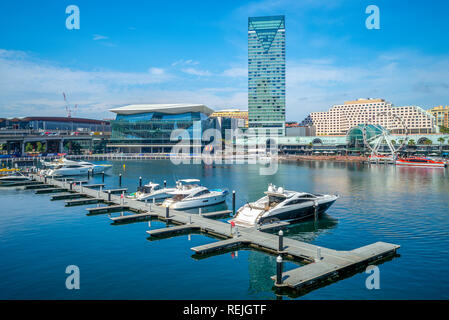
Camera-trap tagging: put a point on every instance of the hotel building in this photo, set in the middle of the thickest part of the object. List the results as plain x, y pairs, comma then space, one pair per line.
441, 115
340, 118
266, 74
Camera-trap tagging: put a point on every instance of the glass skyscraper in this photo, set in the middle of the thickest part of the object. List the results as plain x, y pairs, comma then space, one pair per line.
266, 74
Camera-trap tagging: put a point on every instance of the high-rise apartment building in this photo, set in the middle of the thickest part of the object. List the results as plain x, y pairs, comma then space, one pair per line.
441, 115
266, 74
340, 118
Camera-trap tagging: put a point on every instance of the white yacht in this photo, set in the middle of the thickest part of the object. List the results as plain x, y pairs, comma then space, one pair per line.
12, 177
151, 191
75, 168
188, 195
282, 205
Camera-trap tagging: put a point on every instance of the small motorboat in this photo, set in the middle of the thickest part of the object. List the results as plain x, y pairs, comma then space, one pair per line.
188, 195
151, 191
420, 162
282, 205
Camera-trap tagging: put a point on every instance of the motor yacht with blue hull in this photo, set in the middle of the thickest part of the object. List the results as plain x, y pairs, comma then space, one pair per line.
188, 196
282, 205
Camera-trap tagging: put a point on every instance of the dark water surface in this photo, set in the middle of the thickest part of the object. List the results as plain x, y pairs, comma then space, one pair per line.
39, 238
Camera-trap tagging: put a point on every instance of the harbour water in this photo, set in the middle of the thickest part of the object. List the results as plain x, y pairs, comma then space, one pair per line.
39, 238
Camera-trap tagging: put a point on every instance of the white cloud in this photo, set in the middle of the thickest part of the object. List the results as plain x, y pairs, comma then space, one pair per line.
157, 71
97, 37
183, 62
196, 72
31, 87
236, 72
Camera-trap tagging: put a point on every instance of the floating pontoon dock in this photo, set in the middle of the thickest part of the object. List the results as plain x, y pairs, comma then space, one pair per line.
323, 263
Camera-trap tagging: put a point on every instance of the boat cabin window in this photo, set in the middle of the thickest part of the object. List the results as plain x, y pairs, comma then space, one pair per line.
145, 189
274, 199
201, 193
297, 201
308, 196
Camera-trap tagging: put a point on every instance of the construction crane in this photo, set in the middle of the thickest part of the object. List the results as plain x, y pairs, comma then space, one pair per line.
68, 108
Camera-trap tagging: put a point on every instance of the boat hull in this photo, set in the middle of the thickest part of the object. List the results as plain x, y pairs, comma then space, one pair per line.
297, 214
196, 203
422, 165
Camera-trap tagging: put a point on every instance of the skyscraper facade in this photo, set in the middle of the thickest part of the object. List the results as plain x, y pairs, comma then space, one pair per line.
266, 74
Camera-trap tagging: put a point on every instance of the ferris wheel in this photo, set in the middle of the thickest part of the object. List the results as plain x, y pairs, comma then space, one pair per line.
375, 134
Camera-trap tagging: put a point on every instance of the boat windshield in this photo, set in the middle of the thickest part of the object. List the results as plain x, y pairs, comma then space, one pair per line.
274, 200
145, 189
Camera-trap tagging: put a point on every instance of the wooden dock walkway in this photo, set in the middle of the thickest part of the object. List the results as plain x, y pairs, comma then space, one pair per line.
82, 201
323, 263
133, 217
106, 209
67, 195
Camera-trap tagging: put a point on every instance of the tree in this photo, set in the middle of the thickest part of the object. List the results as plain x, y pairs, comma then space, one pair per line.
444, 129
427, 142
28, 147
393, 142
411, 142
39, 146
441, 140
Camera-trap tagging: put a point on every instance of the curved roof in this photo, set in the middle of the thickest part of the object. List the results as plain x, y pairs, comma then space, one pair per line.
176, 108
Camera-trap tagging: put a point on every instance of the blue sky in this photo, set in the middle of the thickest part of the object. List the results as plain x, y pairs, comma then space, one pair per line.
196, 51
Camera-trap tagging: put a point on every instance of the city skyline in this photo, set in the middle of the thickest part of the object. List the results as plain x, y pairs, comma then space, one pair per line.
199, 54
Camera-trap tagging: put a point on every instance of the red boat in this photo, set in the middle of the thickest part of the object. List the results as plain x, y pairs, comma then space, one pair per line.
420, 162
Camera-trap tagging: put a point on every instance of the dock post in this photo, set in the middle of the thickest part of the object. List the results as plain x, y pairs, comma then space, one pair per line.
315, 210
281, 241
102, 177
167, 213
140, 182
190, 219
279, 270
165, 183
88, 174
200, 211
71, 186
120, 180
45, 179
318, 253
109, 195
154, 200
233, 202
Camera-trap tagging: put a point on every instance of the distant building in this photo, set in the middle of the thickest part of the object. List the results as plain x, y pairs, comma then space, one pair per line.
340, 118
233, 114
55, 123
147, 128
266, 74
299, 131
441, 115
